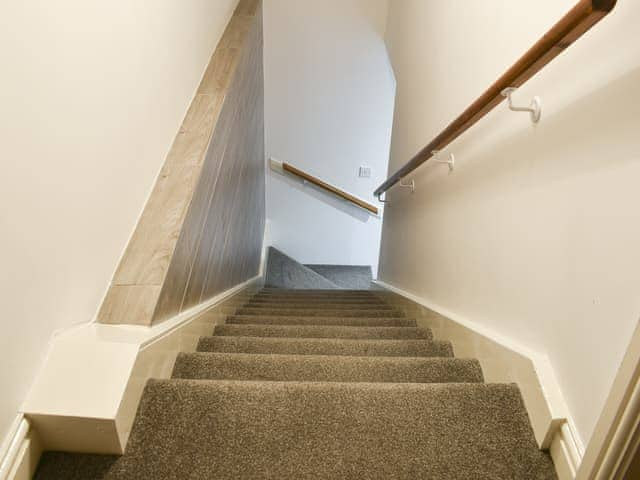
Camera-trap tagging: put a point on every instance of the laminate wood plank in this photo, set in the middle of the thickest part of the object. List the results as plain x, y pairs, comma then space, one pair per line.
173, 288
149, 251
209, 257
219, 73
243, 234
129, 304
190, 145
248, 7
205, 195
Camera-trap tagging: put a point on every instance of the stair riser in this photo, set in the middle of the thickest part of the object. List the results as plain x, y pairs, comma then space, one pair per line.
326, 321
301, 368
322, 332
389, 348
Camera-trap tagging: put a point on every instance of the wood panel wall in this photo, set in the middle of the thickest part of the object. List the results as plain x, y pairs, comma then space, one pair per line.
201, 231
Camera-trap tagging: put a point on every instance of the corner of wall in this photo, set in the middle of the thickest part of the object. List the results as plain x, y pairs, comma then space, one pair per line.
504, 360
90, 406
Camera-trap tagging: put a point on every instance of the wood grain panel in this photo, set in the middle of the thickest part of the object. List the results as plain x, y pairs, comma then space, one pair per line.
201, 230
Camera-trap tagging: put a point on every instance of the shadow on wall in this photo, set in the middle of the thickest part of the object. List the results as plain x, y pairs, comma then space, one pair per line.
316, 192
552, 152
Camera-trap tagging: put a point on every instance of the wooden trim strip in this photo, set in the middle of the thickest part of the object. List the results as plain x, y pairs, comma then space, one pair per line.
329, 188
570, 28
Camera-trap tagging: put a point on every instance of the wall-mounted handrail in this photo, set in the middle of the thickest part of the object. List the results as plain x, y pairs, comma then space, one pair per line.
324, 185
570, 28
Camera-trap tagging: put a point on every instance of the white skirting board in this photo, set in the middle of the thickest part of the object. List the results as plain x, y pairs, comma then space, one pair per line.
504, 360
20, 452
86, 395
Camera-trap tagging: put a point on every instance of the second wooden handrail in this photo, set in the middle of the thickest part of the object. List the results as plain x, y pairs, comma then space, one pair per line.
570, 28
330, 188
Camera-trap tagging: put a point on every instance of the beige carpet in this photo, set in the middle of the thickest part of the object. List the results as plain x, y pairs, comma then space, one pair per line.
321, 385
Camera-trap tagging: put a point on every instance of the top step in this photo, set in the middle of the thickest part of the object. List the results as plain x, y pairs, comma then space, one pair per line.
286, 291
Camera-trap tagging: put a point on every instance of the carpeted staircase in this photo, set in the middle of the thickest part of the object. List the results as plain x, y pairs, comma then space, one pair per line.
321, 384
284, 272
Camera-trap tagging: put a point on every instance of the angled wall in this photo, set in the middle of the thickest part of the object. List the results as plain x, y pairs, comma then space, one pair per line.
329, 93
92, 94
201, 231
535, 234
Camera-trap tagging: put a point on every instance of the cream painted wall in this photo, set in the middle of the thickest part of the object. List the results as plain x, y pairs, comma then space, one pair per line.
92, 95
329, 93
535, 235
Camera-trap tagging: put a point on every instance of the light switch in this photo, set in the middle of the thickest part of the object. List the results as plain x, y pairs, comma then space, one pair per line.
364, 172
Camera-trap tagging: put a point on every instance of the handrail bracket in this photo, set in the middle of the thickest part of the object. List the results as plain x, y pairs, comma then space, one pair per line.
411, 185
535, 109
451, 161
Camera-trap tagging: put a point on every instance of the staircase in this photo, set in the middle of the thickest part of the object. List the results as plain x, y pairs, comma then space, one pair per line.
284, 272
321, 384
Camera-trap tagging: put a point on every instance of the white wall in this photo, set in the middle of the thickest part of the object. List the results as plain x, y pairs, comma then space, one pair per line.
92, 95
535, 235
329, 93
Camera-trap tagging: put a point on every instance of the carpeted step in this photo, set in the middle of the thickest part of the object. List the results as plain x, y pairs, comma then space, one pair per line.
325, 368
326, 346
300, 320
319, 298
315, 306
345, 276
283, 271
311, 312
322, 331
324, 431
318, 301
317, 291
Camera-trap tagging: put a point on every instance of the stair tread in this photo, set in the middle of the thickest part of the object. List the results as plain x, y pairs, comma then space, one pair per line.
318, 294
316, 306
282, 271
326, 346
292, 430
320, 384
319, 298
325, 368
322, 331
309, 312
320, 320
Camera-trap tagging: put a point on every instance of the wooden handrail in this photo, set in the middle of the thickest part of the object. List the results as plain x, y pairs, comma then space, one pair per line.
570, 28
329, 188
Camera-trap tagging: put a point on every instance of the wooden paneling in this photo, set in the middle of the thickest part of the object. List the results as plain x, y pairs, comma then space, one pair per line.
201, 230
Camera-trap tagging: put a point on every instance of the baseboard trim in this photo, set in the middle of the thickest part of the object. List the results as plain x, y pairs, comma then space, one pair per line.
551, 421
565, 452
87, 393
23, 450
266, 243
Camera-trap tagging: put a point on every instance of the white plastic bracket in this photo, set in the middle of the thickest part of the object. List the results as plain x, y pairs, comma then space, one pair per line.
535, 109
451, 161
411, 185
380, 198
